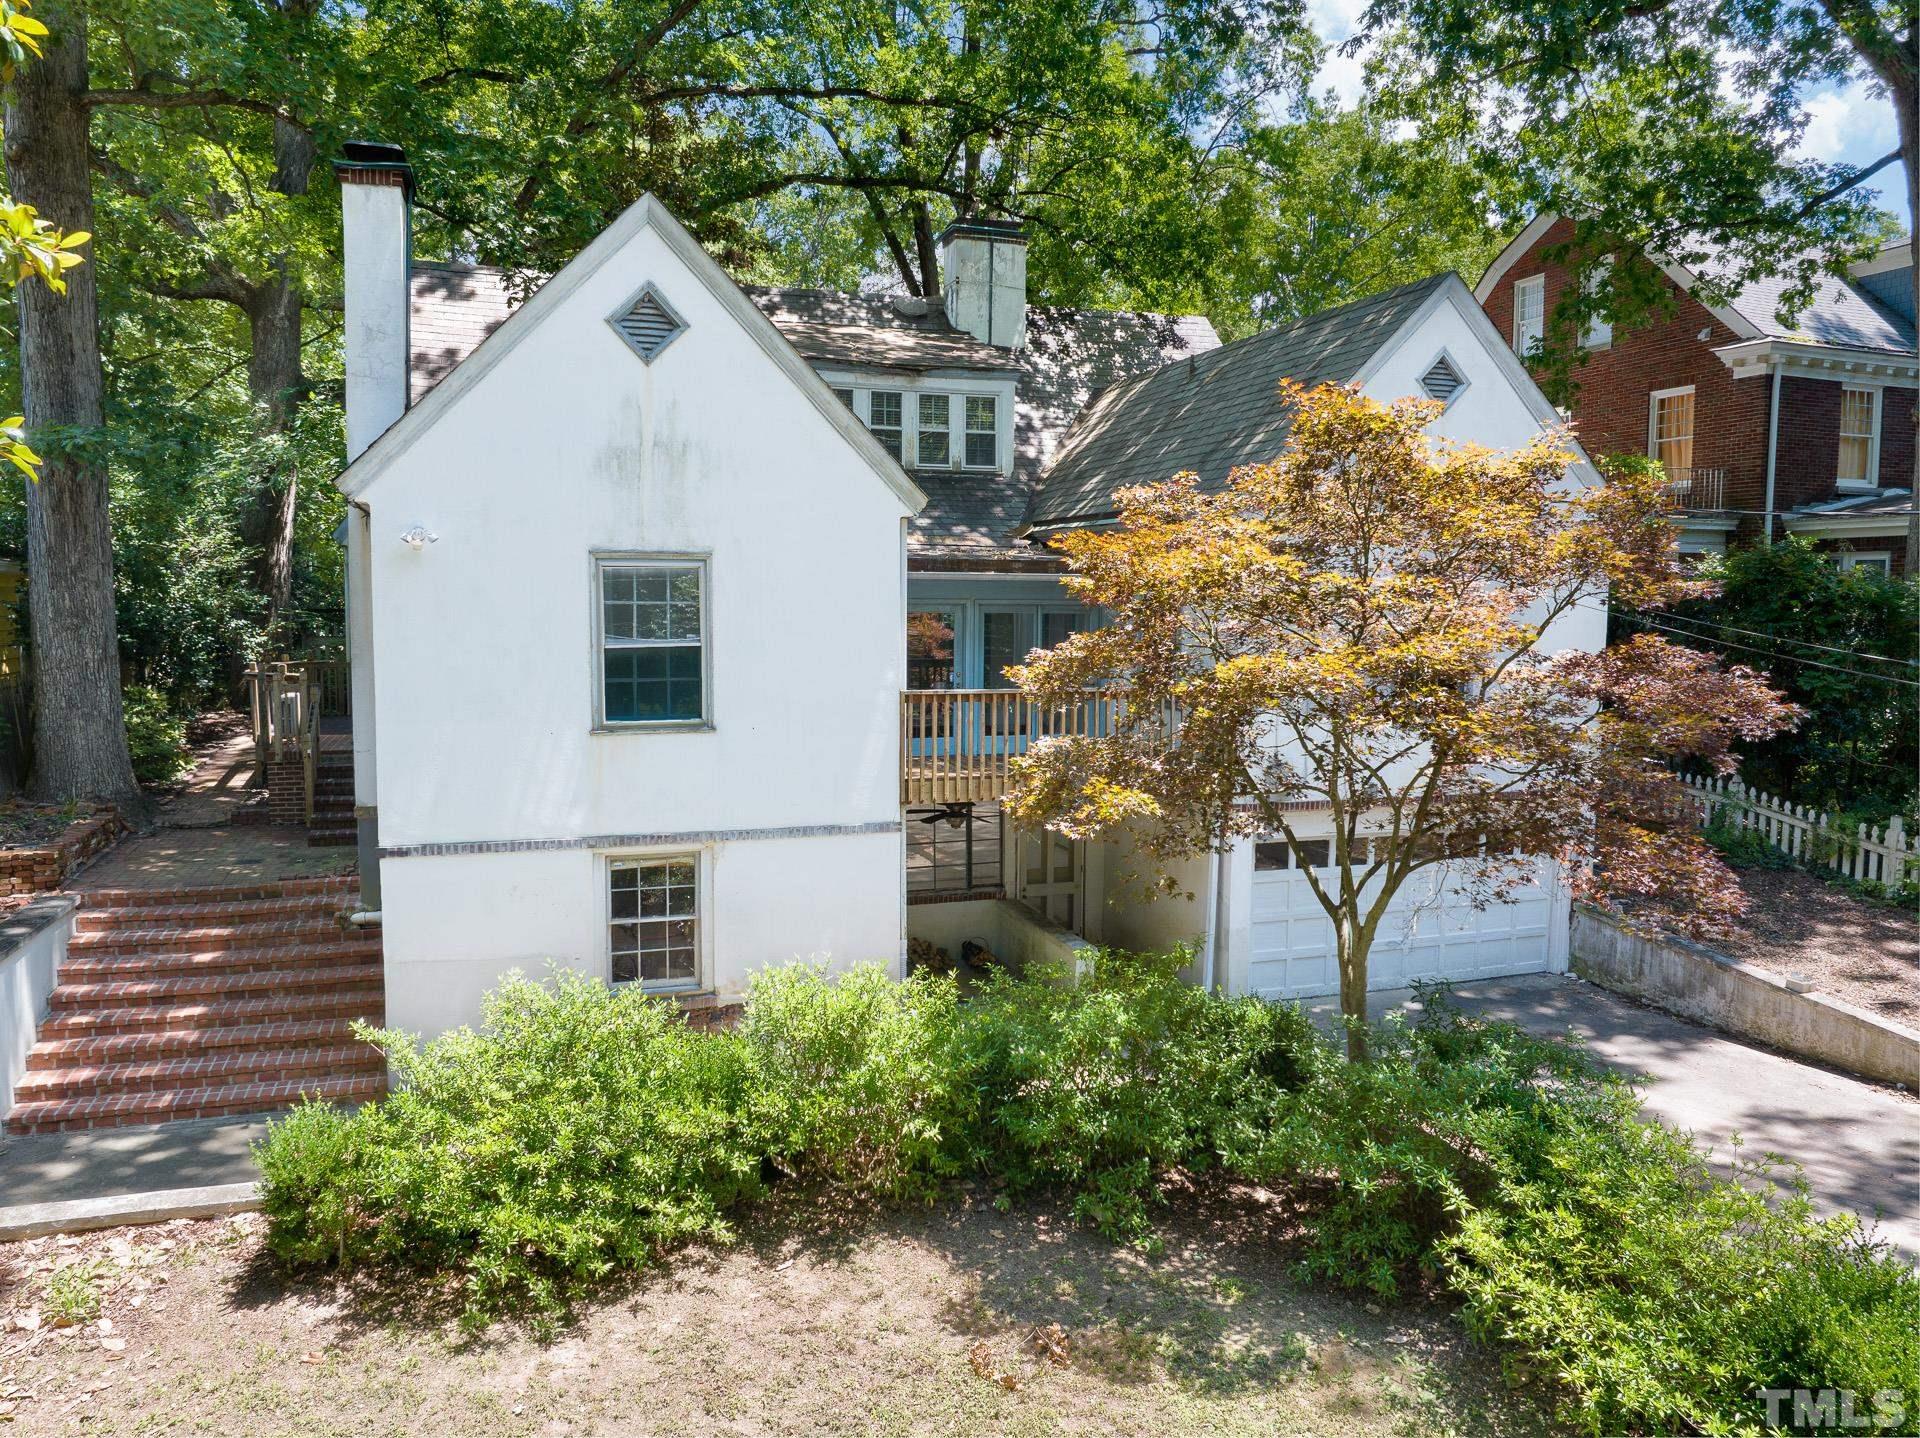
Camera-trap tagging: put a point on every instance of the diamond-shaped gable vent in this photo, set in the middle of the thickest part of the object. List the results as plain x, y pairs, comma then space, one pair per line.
649, 325
1442, 381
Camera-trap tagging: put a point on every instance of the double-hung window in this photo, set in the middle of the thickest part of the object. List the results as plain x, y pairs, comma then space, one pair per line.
1670, 431
653, 921
1529, 314
653, 619
1599, 332
935, 446
983, 432
885, 417
1859, 429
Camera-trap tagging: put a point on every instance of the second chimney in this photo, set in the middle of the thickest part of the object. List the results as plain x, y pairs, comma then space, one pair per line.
376, 194
983, 270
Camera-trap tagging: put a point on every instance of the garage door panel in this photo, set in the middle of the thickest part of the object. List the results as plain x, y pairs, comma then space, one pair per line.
1430, 932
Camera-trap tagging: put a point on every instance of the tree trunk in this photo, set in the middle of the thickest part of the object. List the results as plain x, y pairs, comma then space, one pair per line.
1352, 951
275, 382
80, 734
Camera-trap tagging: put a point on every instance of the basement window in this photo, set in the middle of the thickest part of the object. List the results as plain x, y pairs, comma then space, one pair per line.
653, 921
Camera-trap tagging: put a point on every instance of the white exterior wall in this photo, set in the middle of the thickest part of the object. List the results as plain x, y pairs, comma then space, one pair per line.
484, 642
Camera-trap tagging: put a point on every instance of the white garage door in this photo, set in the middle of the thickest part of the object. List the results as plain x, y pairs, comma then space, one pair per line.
1429, 932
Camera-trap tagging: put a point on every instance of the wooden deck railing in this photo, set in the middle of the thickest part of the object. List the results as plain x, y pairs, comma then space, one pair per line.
285, 710
957, 746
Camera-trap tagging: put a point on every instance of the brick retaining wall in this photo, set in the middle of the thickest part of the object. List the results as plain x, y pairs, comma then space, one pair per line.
35, 871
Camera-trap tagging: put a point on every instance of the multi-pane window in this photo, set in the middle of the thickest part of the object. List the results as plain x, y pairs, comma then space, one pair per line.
983, 431
653, 669
845, 396
935, 447
1599, 328
930, 636
1277, 854
1529, 314
1670, 430
1857, 415
653, 914
885, 418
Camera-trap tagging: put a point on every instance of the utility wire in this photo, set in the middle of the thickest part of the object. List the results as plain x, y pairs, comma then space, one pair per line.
1771, 654
1785, 639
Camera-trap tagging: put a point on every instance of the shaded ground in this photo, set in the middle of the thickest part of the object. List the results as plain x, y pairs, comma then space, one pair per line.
1862, 953
137, 1158
814, 1324
35, 826
1859, 1143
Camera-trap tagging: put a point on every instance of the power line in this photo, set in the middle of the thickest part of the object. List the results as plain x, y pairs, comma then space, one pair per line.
1786, 639
1771, 654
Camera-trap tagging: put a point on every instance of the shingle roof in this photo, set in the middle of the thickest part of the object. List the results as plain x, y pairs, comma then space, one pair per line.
1070, 355
1839, 314
1885, 502
1216, 410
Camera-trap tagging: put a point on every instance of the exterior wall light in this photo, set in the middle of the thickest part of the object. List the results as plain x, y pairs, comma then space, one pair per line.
419, 537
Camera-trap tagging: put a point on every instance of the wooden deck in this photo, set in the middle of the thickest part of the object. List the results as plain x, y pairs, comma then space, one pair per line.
957, 746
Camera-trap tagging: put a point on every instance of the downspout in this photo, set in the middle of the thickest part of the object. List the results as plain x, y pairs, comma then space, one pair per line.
1773, 446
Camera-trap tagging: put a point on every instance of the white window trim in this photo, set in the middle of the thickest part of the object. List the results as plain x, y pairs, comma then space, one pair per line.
598, 562
1531, 284
1001, 389
1598, 334
609, 859
1880, 559
1653, 418
1872, 481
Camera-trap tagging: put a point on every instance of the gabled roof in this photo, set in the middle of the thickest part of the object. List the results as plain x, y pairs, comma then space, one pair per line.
497, 339
876, 331
1841, 312
1219, 409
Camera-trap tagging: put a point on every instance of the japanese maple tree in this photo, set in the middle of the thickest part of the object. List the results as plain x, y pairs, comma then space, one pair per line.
1374, 628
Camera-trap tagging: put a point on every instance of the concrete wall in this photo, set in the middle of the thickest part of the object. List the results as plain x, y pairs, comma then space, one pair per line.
1011, 930
33, 945
499, 799
1696, 983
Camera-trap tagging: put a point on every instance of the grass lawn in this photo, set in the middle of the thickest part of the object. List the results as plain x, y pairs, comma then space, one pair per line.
951, 1320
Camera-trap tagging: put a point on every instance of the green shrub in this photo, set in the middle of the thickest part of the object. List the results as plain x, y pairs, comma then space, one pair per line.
855, 1074
156, 737
1744, 848
1101, 1086
581, 1131
1660, 1299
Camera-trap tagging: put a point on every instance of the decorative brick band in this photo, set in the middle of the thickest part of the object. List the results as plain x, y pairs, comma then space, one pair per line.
955, 896
637, 841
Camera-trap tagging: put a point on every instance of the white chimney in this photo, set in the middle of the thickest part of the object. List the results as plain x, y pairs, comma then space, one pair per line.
376, 191
983, 268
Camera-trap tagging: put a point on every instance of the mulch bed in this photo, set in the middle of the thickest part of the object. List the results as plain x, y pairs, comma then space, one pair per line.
1862, 952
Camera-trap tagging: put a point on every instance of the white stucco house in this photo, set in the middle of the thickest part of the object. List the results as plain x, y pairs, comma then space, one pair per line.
677, 610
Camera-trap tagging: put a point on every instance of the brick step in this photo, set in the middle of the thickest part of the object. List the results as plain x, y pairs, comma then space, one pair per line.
347, 886
331, 838
201, 1101
96, 918
173, 963
286, 931
234, 1066
364, 1001
215, 988
188, 1042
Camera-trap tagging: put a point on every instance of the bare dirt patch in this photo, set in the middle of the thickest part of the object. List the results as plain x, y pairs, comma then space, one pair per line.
956, 1319
1860, 951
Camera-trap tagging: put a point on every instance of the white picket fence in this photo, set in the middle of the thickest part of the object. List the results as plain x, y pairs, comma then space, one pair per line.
1887, 856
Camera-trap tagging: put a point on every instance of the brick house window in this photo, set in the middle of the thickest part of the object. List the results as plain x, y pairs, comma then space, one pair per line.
1599, 327
653, 921
1859, 435
1670, 429
1529, 314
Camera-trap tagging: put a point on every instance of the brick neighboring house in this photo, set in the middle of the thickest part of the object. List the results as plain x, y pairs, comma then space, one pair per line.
1811, 423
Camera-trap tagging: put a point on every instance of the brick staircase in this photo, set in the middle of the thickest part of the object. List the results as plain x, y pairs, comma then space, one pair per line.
190, 1003
332, 824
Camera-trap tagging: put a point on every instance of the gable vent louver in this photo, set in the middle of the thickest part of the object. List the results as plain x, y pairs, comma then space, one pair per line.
1442, 381
648, 325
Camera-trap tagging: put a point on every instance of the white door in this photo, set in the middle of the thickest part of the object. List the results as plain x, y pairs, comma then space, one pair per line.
1430, 932
1052, 876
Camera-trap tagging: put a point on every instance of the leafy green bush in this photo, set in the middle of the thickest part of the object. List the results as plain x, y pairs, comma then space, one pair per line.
855, 1074
582, 1131
1660, 1299
1744, 848
156, 737
1101, 1086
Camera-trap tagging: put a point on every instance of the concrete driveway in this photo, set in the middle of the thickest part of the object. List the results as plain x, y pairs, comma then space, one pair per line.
1858, 1142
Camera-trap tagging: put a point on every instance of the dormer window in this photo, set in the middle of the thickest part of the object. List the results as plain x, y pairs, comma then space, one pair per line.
935, 448
983, 432
885, 419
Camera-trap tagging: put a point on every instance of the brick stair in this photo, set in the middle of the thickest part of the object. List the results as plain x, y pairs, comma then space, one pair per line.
333, 824
199, 1002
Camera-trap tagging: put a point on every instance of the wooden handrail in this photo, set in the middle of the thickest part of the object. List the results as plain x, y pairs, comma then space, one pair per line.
957, 746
